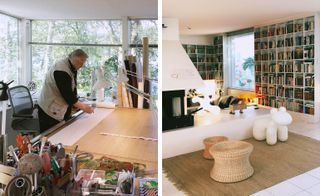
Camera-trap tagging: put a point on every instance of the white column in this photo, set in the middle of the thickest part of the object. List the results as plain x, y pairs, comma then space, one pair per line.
25, 51
125, 35
4, 117
316, 67
226, 64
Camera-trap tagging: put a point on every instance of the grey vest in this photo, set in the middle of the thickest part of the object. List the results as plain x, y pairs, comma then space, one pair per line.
50, 100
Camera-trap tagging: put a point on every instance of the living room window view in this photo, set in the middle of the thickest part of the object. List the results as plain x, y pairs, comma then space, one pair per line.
240, 106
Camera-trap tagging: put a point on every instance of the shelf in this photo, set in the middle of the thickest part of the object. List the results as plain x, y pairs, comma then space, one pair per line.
284, 55
208, 59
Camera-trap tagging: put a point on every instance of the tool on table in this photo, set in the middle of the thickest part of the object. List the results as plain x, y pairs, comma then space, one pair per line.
84, 156
22, 142
60, 151
46, 165
29, 148
43, 142
39, 192
74, 163
19, 185
11, 149
65, 164
30, 164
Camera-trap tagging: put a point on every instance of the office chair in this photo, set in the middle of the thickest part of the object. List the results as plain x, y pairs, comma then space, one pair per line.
24, 116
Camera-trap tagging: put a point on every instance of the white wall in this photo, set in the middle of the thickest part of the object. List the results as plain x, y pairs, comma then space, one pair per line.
189, 139
196, 39
317, 67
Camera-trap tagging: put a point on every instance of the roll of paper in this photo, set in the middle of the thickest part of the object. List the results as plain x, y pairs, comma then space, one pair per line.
105, 105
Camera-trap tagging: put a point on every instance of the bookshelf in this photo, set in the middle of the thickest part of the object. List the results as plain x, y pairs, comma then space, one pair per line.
208, 59
284, 65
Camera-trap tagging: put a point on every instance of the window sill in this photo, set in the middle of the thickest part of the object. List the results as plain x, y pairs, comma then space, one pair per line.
241, 89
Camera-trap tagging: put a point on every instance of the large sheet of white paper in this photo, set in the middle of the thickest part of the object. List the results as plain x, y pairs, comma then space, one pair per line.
73, 132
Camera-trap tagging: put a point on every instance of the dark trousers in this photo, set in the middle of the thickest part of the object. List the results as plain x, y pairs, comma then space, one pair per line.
45, 120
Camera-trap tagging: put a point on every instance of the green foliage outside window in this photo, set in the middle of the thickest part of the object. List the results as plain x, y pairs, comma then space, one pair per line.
101, 39
91, 36
9, 50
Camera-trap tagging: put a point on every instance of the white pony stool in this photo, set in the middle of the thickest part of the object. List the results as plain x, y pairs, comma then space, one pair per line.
273, 129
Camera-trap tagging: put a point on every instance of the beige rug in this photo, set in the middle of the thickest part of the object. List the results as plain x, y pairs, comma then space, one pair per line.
190, 172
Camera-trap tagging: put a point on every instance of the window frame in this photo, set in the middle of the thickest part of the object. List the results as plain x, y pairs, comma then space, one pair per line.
125, 39
230, 69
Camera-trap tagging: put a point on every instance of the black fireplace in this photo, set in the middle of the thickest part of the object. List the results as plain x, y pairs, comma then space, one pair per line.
174, 110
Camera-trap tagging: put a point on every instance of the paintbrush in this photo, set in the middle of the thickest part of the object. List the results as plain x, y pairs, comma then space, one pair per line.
74, 163
43, 142
13, 153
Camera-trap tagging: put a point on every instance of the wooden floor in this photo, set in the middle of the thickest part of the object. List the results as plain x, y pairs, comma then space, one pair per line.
126, 122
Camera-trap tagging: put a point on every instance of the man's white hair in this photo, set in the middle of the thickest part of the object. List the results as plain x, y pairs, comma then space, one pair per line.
78, 53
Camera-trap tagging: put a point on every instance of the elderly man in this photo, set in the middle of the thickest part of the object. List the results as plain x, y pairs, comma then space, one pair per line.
59, 92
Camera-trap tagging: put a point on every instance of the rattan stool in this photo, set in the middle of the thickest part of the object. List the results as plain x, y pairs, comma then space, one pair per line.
231, 161
210, 141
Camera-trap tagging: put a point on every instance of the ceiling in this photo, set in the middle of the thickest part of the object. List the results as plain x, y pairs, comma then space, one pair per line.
217, 16
80, 9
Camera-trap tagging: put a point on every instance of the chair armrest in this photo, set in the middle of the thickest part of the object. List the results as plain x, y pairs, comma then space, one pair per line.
23, 116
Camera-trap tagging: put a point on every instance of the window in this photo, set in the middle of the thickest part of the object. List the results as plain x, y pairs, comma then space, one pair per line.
54, 40
9, 50
146, 28
143, 28
241, 61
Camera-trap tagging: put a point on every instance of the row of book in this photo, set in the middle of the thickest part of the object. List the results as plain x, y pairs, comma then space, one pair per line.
288, 66
209, 67
309, 25
309, 80
298, 80
289, 54
309, 108
214, 50
284, 91
284, 42
309, 94
217, 75
308, 52
290, 93
288, 79
214, 67
218, 40
193, 58
258, 79
209, 59
285, 28
203, 49
290, 104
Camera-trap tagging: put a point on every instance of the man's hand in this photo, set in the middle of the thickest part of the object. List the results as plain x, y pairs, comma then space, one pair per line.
86, 108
